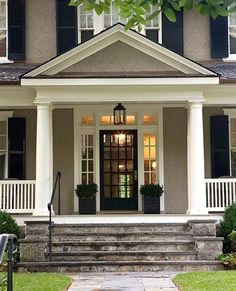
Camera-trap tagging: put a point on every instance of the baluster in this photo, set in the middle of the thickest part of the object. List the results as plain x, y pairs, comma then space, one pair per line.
226, 195
230, 193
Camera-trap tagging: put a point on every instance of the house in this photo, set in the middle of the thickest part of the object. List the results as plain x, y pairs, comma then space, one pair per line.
64, 70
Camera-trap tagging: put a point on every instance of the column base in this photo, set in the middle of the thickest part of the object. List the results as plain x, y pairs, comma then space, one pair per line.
194, 211
42, 212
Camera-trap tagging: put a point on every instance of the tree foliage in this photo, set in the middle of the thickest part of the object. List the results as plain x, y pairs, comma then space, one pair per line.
137, 12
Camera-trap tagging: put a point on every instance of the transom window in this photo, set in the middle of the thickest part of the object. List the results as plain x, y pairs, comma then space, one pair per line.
3, 29
109, 120
232, 34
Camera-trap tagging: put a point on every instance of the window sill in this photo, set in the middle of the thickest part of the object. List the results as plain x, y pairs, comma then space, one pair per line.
231, 58
4, 60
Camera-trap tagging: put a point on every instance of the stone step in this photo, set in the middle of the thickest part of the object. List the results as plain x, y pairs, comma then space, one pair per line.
123, 256
119, 266
118, 228
155, 245
138, 236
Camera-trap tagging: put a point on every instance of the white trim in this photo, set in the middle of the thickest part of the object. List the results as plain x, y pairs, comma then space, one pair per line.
160, 144
4, 115
142, 129
121, 81
107, 38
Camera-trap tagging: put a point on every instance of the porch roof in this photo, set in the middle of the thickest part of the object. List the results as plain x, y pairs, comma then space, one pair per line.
115, 53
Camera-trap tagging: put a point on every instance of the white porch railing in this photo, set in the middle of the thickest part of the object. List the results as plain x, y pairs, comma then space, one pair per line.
17, 196
220, 193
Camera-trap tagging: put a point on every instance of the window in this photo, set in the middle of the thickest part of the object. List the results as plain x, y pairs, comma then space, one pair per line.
232, 34
152, 29
112, 17
87, 158
150, 162
108, 120
90, 23
149, 119
4, 115
232, 130
3, 29
87, 120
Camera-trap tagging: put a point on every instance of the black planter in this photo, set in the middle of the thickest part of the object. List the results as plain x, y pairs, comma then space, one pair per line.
87, 205
151, 205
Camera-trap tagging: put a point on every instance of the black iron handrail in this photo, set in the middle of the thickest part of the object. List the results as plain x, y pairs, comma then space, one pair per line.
57, 183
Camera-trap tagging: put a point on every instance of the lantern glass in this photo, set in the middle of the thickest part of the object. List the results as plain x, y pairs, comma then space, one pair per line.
119, 114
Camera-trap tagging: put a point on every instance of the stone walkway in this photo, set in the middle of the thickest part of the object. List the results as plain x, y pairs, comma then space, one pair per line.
123, 282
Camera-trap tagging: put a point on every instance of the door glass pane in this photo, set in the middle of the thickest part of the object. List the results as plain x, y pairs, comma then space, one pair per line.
114, 153
106, 139
122, 152
107, 192
114, 166
107, 166
106, 153
107, 178
122, 166
130, 166
115, 179
115, 192
130, 153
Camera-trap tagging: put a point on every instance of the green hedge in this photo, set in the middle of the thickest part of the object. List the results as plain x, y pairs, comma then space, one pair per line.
8, 224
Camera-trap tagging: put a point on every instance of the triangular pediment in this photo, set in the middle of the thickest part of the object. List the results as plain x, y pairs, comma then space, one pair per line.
116, 53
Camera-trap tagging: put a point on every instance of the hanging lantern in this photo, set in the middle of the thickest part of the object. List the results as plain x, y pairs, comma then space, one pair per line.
119, 114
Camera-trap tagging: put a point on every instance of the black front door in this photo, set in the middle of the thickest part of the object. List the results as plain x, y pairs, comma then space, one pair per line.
118, 170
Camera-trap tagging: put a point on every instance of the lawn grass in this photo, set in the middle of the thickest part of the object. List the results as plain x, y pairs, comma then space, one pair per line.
206, 281
39, 282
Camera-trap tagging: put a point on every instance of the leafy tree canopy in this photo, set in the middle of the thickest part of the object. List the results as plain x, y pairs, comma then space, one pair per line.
137, 12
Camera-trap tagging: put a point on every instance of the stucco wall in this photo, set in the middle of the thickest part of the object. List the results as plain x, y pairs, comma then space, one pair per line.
196, 36
30, 116
119, 57
63, 156
175, 159
207, 112
40, 30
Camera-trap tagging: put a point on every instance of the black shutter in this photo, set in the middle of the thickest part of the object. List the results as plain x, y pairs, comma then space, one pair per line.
172, 33
16, 148
219, 146
16, 29
219, 37
66, 26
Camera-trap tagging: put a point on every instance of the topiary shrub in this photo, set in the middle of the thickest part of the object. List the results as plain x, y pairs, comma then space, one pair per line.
8, 224
227, 225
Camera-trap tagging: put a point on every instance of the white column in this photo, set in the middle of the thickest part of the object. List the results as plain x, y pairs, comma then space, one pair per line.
44, 173
196, 175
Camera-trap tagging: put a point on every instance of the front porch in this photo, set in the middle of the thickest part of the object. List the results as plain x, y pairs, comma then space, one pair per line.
18, 197
66, 111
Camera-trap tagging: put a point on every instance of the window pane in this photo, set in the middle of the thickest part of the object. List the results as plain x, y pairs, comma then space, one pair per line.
130, 119
84, 166
2, 166
149, 119
3, 127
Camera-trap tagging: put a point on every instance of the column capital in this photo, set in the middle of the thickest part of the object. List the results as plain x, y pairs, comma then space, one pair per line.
196, 103
44, 105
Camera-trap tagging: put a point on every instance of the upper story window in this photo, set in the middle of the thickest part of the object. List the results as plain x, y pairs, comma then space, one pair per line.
12, 30
3, 29
89, 24
232, 34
